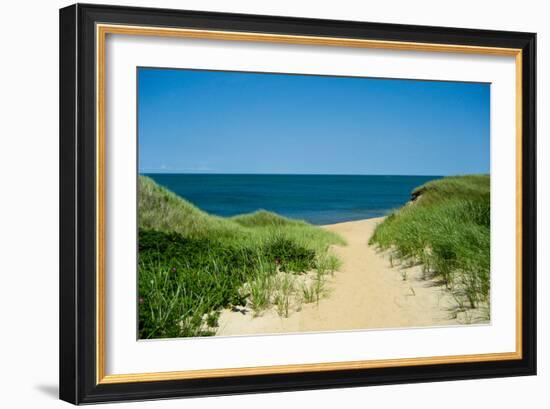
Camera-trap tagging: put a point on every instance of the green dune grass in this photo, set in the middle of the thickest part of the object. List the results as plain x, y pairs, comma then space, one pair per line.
446, 228
193, 264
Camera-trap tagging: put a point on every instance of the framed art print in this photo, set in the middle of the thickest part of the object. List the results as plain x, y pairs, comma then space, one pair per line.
258, 203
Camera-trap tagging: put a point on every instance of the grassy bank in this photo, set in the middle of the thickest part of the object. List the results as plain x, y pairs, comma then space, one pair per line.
192, 264
446, 227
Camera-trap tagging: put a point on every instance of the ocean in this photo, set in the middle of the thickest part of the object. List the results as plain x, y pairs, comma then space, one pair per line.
318, 199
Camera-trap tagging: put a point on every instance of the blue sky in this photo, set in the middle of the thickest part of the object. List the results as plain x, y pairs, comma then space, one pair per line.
192, 121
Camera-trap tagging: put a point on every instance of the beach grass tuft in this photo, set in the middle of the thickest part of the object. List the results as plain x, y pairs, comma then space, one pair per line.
193, 264
446, 227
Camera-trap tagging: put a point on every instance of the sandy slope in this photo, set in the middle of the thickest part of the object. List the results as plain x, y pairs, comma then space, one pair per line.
367, 292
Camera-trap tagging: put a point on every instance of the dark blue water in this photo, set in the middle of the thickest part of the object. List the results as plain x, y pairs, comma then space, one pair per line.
318, 199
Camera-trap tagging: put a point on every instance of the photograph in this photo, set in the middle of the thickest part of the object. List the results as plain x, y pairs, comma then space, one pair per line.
260, 203
282, 203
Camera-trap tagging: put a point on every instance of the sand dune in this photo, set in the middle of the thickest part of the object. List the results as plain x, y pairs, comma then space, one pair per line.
366, 293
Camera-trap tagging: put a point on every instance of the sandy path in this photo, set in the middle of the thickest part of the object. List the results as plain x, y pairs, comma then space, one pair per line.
367, 292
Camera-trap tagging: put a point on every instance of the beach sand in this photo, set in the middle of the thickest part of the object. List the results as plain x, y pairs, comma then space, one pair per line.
366, 293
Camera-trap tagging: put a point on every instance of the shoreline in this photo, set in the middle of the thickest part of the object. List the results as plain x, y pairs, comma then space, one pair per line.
329, 225
334, 225
367, 292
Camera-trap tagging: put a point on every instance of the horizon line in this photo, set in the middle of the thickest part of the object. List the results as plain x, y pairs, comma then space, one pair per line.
300, 174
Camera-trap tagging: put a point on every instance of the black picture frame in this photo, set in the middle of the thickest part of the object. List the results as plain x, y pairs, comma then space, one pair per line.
78, 360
